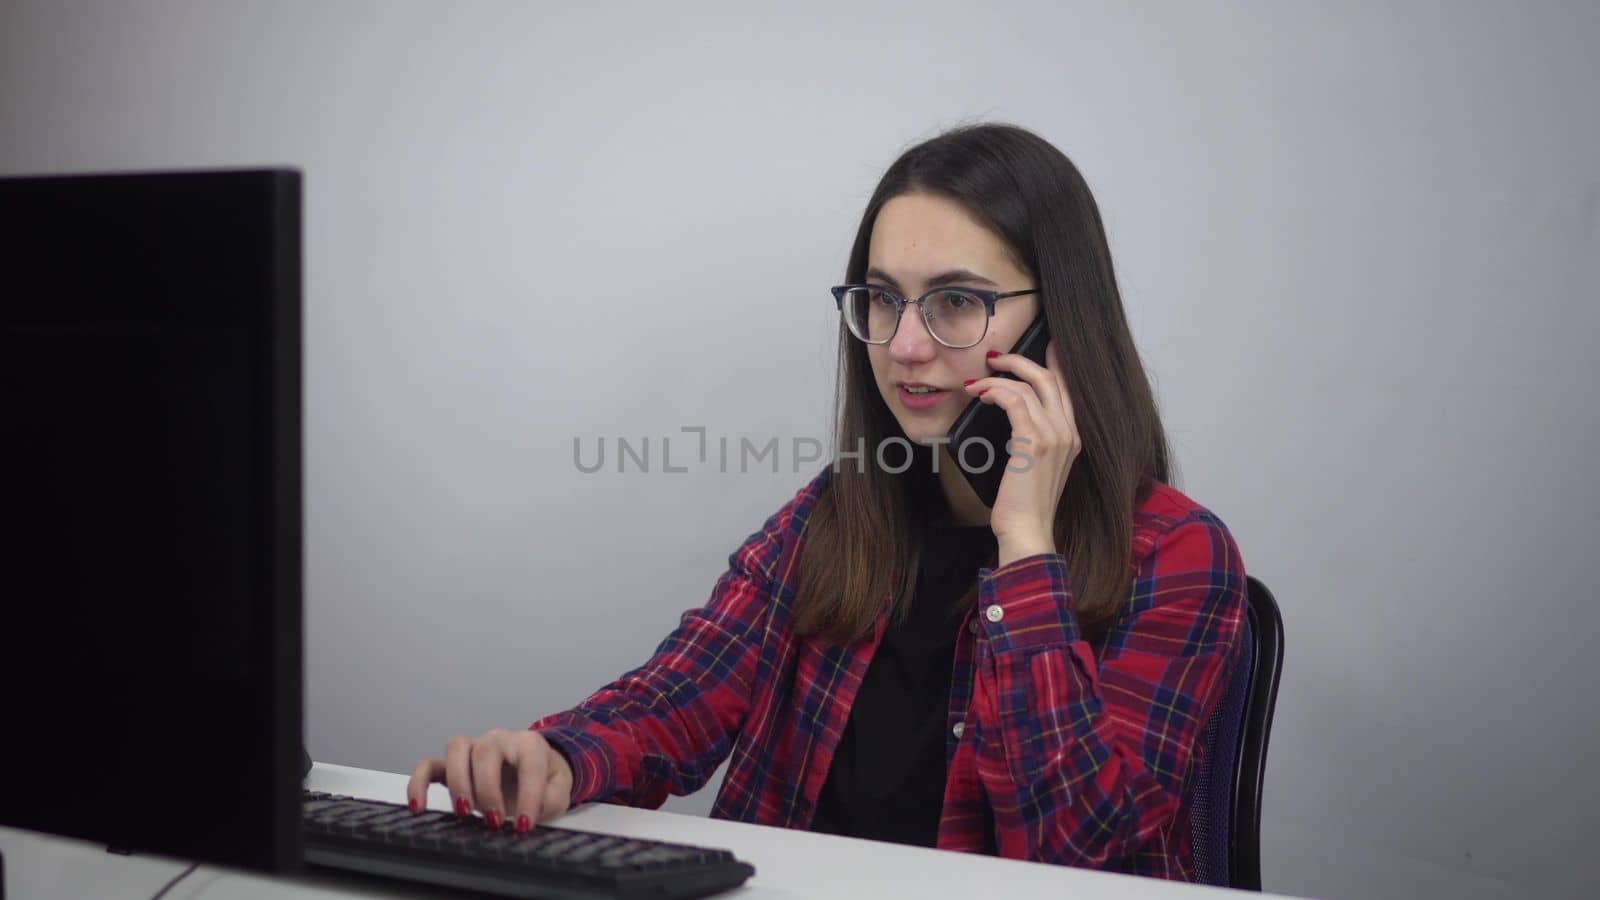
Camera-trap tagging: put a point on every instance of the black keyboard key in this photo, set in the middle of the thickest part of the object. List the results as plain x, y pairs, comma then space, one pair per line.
385, 817
461, 836
558, 847
354, 820
530, 846
377, 827
497, 843
588, 848
621, 856
404, 827
432, 836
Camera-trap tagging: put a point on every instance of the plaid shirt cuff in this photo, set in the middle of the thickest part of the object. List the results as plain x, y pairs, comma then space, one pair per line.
1027, 603
587, 755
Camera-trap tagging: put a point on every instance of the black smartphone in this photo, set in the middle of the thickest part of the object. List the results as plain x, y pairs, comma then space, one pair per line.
983, 461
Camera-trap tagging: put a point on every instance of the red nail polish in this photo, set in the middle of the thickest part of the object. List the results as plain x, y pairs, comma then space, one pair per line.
415, 806
463, 808
982, 392
969, 382
495, 820
991, 354
523, 825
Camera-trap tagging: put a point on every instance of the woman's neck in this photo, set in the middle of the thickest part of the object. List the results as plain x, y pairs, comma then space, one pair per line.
965, 507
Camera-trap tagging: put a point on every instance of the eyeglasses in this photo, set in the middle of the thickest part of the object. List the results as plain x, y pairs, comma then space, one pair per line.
956, 317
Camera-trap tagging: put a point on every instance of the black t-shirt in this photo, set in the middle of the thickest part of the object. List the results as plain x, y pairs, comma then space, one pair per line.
887, 778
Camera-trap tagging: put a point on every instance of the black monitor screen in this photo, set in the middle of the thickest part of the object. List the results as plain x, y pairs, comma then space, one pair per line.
150, 510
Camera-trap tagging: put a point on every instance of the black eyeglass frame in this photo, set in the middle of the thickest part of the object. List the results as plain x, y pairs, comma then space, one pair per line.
987, 298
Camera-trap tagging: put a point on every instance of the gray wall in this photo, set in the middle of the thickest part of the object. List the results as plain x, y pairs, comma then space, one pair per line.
1360, 246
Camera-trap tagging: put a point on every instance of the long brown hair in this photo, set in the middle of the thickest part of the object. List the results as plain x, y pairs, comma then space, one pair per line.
860, 551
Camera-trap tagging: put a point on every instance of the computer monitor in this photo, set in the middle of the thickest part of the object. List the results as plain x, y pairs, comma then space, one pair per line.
150, 514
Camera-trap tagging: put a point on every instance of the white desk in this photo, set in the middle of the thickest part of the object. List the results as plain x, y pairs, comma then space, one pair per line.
789, 864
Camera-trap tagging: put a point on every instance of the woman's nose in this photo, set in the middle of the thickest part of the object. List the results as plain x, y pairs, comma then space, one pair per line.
911, 341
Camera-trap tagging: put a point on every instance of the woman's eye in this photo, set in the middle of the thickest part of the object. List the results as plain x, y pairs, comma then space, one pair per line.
957, 301
882, 298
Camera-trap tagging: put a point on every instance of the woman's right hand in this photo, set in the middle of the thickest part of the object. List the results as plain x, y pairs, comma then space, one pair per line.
511, 776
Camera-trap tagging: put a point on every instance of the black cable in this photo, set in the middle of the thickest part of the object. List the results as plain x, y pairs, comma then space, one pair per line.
181, 875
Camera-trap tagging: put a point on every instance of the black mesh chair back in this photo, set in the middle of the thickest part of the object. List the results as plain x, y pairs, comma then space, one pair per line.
1225, 815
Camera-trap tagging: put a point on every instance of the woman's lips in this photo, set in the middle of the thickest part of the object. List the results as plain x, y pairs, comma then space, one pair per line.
921, 401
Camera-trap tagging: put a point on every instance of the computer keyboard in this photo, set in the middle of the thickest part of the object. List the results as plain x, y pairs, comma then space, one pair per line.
439, 848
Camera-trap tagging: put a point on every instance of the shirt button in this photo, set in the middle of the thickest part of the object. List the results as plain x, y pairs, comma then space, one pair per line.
972, 626
960, 727
994, 613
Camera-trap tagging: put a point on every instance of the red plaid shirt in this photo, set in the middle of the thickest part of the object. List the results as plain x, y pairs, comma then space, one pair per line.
1060, 750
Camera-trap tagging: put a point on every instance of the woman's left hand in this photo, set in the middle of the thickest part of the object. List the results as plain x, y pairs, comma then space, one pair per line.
1044, 440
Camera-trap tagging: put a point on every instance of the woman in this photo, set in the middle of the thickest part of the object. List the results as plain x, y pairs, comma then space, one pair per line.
891, 658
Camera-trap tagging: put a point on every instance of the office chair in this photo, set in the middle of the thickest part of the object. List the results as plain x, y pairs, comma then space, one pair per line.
1225, 817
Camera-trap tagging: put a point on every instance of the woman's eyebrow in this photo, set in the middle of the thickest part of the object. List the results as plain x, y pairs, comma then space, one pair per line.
950, 276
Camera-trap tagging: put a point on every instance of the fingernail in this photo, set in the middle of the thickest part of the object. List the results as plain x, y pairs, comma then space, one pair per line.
991, 354
495, 819
982, 392
463, 808
523, 825
415, 806
969, 382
